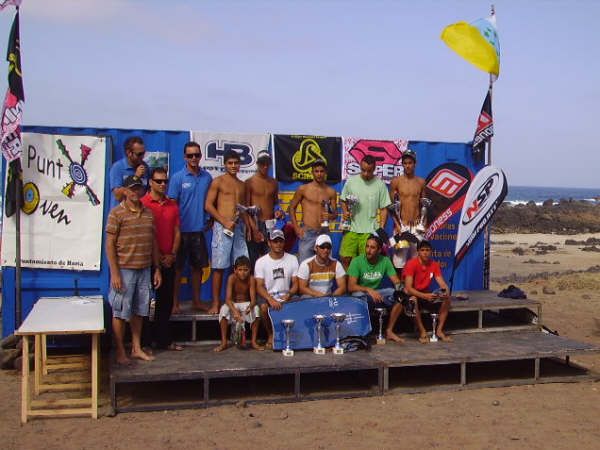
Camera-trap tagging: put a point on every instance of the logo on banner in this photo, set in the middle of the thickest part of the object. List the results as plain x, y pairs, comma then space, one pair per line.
447, 183
303, 159
77, 173
481, 198
387, 154
296, 154
215, 150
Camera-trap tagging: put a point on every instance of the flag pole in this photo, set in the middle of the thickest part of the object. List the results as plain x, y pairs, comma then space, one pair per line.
18, 303
491, 88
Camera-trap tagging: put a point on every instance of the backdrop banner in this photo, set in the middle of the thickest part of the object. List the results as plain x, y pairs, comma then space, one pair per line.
386, 153
63, 186
295, 155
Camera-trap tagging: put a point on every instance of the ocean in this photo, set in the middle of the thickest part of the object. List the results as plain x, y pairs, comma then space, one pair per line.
524, 194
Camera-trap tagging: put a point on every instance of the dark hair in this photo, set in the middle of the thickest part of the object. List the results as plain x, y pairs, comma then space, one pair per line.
319, 163
369, 159
241, 261
376, 239
231, 154
191, 144
424, 244
158, 170
129, 142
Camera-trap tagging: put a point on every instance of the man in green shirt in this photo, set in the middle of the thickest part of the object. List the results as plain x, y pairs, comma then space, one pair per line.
364, 278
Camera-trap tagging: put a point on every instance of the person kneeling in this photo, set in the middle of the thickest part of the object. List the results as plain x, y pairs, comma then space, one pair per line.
418, 274
240, 303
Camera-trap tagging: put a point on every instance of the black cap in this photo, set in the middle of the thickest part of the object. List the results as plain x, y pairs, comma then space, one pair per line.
408, 153
424, 244
132, 181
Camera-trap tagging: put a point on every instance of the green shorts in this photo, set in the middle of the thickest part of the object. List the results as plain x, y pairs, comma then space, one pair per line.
353, 244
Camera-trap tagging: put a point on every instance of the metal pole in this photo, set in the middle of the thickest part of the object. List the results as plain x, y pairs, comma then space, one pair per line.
18, 303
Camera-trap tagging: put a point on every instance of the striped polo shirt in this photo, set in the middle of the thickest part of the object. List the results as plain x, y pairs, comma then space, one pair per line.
134, 236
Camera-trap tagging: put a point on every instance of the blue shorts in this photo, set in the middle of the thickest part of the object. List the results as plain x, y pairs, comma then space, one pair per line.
306, 245
226, 249
134, 299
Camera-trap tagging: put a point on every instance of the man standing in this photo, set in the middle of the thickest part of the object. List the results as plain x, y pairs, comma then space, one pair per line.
168, 237
131, 250
189, 188
132, 164
373, 198
229, 231
317, 274
408, 189
418, 274
319, 205
276, 279
262, 191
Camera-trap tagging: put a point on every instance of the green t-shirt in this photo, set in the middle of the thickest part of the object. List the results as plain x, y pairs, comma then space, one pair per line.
370, 275
372, 195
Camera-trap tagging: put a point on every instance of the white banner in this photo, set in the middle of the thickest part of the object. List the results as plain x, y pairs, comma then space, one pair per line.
387, 153
214, 145
61, 219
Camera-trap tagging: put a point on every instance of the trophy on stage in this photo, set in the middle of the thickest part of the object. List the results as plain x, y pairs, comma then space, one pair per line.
338, 318
252, 211
433, 337
425, 204
351, 204
380, 338
288, 324
238, 334
326, 204
319, 349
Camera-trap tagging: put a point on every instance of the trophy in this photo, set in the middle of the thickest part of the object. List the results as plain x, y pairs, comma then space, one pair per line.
288, 324
236, 217
238, 334
338, 319
326, 208
380, 338
433, 337
425, 203
351, 204
319, 349
252, 211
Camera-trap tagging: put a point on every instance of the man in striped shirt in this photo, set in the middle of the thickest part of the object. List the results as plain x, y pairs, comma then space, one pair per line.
131, 250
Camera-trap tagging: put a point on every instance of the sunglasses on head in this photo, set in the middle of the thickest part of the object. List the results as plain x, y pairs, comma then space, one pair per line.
325, 246
192, 155
165, 181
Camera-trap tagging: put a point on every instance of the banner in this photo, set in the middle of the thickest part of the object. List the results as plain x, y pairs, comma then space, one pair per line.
485, 128
62, 224
214, 146
294, 156
486, 193
388, 155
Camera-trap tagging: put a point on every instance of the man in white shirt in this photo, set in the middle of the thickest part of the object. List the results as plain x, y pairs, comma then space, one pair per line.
317, 273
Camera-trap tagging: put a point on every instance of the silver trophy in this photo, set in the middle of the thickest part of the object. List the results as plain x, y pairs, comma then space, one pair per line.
236, 218
238, 334
326, 204
288, 324
351, 204
380, 338
433, 337
319, 349
425, 204
338, 318
252, 211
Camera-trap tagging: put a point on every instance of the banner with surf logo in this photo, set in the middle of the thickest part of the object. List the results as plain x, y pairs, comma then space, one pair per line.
63, 190
295, 155
387, 153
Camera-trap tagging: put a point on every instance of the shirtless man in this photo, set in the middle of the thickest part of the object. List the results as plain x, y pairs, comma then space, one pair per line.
312, 197
263, 191
229, 235
408, 189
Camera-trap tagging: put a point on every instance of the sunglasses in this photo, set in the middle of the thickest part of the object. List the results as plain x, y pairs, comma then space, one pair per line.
325, 246
192, 155
165, 181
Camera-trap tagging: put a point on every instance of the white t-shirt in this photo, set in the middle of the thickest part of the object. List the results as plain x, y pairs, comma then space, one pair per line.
277, 273
321, 277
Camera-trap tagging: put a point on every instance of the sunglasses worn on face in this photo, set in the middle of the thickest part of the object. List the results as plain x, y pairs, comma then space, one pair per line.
192, 155
325, 246
161, 181
139, 154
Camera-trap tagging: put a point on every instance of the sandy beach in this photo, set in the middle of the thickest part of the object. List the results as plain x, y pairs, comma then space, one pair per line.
540, 416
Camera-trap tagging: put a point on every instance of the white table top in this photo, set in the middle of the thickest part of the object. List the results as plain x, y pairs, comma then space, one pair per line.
65, 315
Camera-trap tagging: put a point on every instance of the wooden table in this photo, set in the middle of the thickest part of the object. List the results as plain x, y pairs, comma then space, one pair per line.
61, 316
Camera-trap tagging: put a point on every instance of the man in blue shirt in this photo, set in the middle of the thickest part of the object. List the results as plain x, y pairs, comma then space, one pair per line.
132, 164
188, 188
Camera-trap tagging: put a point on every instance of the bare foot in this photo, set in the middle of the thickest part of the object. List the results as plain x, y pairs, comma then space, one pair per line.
124, 361
393, 336
423, 339
255, 346
140, 354
269, 345
176, 309
213, 310
198, 306
444, 337
220, 348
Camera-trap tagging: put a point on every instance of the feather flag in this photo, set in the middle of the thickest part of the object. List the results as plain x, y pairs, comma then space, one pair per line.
485, 128
477, 42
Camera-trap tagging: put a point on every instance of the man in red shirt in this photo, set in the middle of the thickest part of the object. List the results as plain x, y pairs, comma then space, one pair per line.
166, 225
418, 274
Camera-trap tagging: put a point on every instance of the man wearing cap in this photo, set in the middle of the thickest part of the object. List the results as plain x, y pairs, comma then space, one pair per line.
131, 250
319, 206
408, 190
373, 198
188, 188
316, 275
418, 274
263, 191
276, 279
132, 164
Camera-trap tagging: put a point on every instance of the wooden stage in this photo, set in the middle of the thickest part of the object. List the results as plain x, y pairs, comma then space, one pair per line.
197, 377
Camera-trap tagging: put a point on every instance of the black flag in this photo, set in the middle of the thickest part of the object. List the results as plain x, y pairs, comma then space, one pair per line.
485, 128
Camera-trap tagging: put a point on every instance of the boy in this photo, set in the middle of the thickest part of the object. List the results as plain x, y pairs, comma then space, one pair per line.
240, 302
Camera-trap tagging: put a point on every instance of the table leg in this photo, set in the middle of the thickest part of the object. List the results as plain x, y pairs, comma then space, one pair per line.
44, 355
25, 400
94, 376
37, 364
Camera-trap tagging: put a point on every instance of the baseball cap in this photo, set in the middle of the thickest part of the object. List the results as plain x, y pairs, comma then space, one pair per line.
132, 181
276, 234
409, 154
322, 239
264, 156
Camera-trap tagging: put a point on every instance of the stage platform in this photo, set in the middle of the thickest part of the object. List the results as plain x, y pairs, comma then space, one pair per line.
198, 377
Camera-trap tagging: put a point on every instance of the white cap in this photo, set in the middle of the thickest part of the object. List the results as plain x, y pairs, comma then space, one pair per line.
276, 233
322, 239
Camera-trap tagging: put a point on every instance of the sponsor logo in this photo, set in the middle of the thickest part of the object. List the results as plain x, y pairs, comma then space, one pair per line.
447, 183
216, 149
304, 157
385, 152
481, 198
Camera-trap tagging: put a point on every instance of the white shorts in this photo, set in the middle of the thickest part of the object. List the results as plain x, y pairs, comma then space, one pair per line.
401, 255
225, 313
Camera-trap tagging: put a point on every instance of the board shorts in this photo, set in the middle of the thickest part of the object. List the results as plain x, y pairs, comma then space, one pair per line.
306, 244
353, 244
225, 312
225, 249
192, 249
134, 298
409, 303
400, 256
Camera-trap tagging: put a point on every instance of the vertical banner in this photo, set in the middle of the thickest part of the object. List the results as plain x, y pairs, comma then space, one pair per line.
294, 156
63, 186
214, 146
388, 155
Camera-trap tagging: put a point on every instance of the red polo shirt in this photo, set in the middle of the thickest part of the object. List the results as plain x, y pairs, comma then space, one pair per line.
166, 218
422, 274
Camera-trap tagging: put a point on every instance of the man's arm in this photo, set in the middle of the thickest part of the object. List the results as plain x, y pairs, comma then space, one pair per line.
305, 289
209, 206
341, 286
262, 291
298, 195
252, 283
111, 255
353, 286
157, 279
410, 290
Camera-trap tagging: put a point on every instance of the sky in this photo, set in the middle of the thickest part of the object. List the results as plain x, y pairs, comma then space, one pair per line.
375, 69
